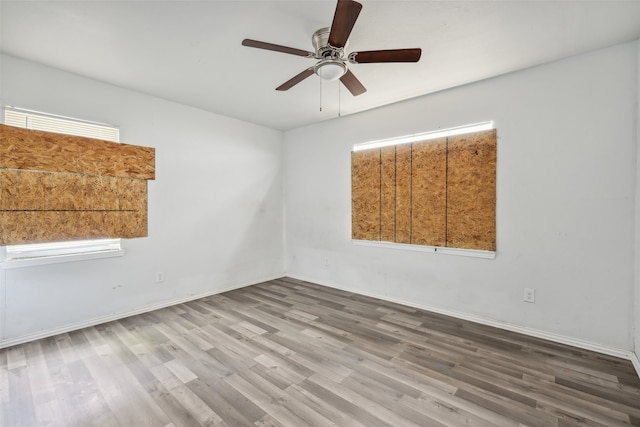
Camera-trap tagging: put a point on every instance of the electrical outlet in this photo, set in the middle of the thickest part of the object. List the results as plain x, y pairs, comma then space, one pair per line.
159, 277
529, 295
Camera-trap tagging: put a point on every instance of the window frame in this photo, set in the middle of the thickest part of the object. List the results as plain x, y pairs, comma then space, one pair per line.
422, 138
17, 256
33, 254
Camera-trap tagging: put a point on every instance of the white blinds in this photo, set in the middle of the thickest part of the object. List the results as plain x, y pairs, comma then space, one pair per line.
38, 121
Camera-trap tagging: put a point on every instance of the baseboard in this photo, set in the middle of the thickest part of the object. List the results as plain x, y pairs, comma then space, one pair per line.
562, 339
635, 359
116, 316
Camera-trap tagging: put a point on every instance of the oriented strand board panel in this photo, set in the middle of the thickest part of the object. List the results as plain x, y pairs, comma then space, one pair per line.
471, 181
46, 206
433, 193
365, 195
403, 193
46, 151
40, 191
428, 193
56, 187
51, 226
388, 194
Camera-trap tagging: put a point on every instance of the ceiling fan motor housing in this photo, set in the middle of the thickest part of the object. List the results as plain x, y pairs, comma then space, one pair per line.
320, 40
331, 65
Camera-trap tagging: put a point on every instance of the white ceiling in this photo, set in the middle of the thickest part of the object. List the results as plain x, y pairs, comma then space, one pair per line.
190, 52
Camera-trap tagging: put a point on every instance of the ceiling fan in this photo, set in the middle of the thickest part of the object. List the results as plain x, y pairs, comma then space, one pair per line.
329, 44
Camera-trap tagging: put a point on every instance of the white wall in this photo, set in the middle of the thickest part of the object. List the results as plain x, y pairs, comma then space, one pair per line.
565, 208
215, 208
637, 255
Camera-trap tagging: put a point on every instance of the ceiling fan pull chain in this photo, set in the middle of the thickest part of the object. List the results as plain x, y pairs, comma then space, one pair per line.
320, 95
339, 102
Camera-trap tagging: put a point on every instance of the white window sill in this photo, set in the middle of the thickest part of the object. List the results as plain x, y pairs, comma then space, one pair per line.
474, 253
55, 259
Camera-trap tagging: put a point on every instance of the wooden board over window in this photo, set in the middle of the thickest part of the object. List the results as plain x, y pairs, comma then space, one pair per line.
436, 193
56, 187
471, 199
365, 184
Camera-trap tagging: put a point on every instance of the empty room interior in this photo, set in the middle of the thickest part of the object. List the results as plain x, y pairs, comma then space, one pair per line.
319, 213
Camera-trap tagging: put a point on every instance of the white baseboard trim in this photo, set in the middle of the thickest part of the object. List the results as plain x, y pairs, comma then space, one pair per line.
562, 339
115, 316
635, 359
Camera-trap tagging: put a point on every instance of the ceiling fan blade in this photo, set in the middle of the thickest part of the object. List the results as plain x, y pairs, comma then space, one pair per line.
276, 48
344, 19
295, 80
392, 55
350, 81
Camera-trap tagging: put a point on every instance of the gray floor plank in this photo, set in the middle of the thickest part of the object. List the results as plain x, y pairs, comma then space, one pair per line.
288, 353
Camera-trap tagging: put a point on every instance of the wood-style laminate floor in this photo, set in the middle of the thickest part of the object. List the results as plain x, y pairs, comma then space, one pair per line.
291, 353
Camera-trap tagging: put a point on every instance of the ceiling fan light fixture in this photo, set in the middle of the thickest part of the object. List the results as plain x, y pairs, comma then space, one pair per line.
330, 69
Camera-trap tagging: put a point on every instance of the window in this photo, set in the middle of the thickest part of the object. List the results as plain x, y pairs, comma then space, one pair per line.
43, 253
436, 189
